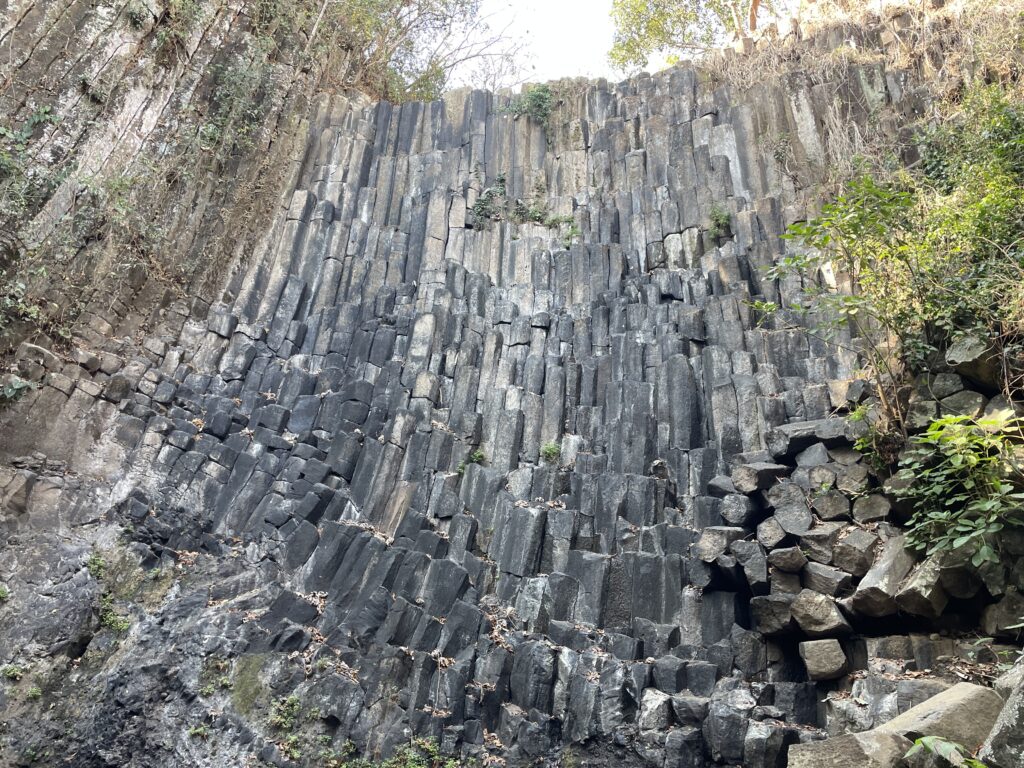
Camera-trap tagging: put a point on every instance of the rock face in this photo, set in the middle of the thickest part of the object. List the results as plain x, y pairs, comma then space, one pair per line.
430, 466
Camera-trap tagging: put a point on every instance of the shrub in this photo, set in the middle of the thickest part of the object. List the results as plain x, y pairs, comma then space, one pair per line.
110, 618
96, 566
551, 452
963, 484
932, 255
12, 672
476, 457
285, 712
721, 221
5, 593
950, 752
536, 102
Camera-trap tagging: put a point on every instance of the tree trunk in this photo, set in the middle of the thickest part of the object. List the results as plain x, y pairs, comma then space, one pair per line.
754, 5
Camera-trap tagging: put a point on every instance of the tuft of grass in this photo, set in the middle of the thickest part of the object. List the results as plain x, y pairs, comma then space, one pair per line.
551, 452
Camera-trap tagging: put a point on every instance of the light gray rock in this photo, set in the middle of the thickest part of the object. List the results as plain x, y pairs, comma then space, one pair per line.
824, 659
856, 750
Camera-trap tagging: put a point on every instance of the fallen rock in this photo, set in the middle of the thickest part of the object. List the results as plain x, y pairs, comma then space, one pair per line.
997, 619
759, 476
818, 615
715, 541
772, 614
790, 508
922, 593
876, 593
1004, 747
871, 508
789, 559
855, 551
824, 659
964, 713
856, 750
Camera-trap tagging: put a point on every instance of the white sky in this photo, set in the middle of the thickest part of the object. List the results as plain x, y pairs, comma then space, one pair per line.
565, 38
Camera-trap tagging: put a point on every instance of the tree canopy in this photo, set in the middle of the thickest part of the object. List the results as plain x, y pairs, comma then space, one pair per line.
645, 28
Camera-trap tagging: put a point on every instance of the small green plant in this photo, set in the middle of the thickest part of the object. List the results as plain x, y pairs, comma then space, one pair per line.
284, 712
536, 102
12, 672
964, 485
199, 732
763, 310
5, 593
291, 747
96, 565
573, 234
551, 452
721, 221
13, 387
490, 205
953, 753
110, 618
137, 14
476, 457
34, 693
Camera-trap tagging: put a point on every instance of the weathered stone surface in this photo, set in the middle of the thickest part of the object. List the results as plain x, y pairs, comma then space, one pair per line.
1004, 746
855, 551
876, 593
922, 593
748, 478
964, 713
857, 750
824, 659
997, 619
818, 615
790, 508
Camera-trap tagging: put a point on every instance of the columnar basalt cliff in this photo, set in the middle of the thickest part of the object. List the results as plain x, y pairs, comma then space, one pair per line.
484, 440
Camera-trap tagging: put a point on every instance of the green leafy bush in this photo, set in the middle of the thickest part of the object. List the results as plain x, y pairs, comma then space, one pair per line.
419, 753
721, 221
964, 484
551, 452
284, 712
950, 751
13, 672
537, 101
932, 255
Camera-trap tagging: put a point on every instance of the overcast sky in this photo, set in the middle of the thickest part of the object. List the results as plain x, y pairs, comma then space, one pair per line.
565, 38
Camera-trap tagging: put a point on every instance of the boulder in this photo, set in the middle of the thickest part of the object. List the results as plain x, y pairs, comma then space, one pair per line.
789, 559
1004, 747
758, 476
871, 508
855, 551
876, 593
655, 710
715, 540
997, 619
824, 659
818, 615
964, 713
922, 593
790, 508
772, 614
856, 750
